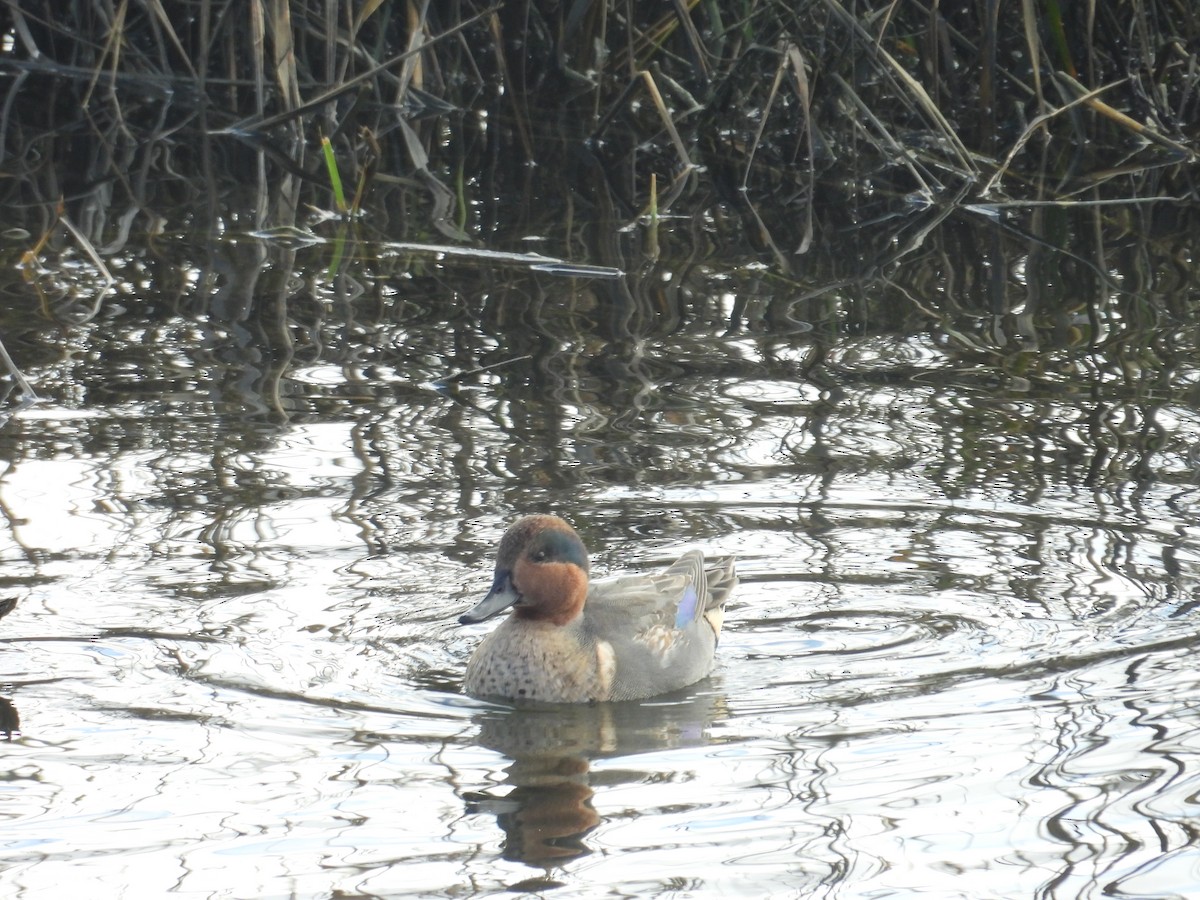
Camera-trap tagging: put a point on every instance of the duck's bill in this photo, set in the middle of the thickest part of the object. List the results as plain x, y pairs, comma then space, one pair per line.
499, 598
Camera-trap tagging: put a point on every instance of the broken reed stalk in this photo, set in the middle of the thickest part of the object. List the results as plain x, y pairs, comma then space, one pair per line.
1037, 124
28, 395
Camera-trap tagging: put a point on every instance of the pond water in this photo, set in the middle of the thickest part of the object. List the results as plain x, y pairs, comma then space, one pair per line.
254, 496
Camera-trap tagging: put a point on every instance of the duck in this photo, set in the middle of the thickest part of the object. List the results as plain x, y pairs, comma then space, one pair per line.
568, 639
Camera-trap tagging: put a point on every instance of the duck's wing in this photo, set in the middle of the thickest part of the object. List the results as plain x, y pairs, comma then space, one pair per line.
670, 600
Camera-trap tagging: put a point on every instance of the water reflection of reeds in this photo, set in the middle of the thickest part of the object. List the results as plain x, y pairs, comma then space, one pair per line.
607, 380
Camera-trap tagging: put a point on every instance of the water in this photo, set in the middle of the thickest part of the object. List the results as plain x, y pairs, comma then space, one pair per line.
243, 520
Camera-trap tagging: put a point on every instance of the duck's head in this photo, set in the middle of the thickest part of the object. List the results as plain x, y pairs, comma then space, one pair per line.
541, 572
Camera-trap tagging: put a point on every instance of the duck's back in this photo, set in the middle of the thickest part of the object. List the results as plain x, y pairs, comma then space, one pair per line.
662, 628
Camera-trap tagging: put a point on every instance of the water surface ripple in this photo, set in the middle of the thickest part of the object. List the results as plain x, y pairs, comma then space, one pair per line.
961, 662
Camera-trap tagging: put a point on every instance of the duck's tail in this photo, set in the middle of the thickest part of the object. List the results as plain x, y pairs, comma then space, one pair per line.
721, 579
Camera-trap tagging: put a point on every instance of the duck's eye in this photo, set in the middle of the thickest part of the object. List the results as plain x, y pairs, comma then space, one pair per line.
539, 556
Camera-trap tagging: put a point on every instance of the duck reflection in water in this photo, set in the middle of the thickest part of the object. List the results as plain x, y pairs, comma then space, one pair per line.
548, 814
